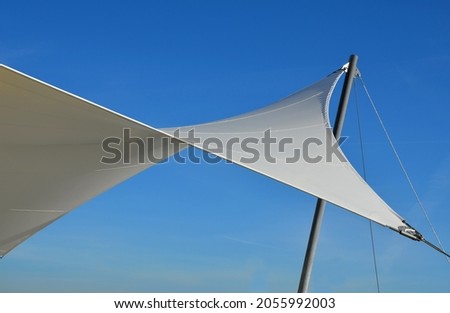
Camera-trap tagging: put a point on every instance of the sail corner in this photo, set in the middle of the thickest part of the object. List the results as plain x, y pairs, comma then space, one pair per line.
410, 232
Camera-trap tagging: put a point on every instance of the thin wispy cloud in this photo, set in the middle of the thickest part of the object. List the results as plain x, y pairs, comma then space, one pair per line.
247, 242
11, 54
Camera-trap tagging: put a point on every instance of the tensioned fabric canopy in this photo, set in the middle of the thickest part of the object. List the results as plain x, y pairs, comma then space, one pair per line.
53, 144
50, 155
291, 141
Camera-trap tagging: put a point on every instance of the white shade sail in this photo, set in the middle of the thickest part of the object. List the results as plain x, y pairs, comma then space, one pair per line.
291, 141
52, 146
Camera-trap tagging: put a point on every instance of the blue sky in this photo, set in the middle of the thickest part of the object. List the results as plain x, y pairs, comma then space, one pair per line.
220, 227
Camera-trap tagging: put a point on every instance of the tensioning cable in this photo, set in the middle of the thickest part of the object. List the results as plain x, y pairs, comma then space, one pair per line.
440, 246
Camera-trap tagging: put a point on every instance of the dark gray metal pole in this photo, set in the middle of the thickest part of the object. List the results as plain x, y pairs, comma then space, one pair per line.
320, 205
